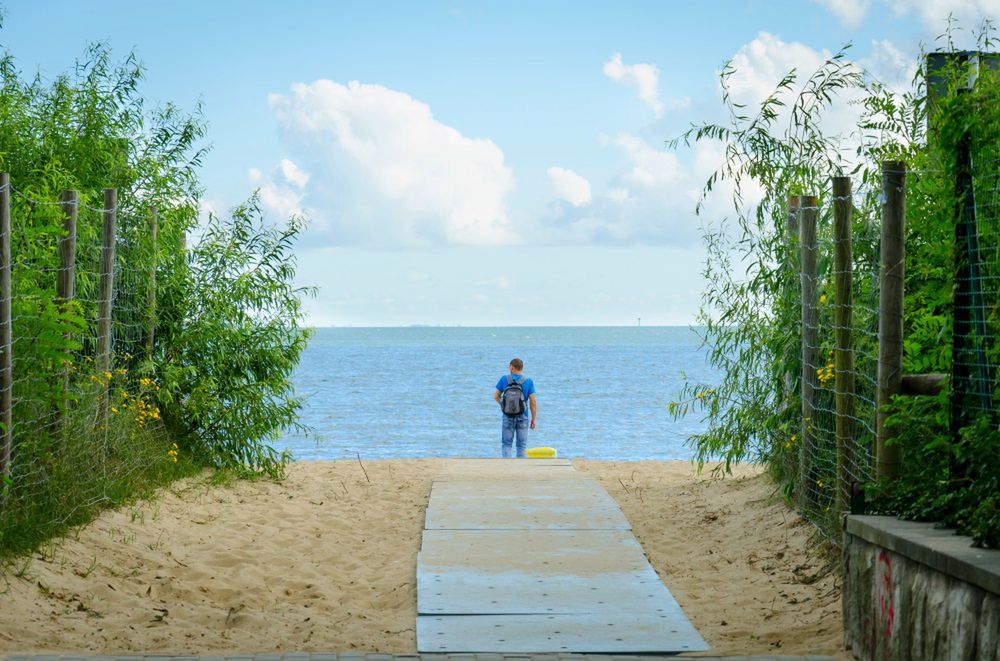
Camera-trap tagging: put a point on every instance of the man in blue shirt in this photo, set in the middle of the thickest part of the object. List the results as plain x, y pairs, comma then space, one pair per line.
516, 423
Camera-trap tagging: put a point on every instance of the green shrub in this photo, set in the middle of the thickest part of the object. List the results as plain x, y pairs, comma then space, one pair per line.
229, 354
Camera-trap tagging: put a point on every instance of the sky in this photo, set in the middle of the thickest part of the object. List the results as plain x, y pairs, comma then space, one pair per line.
478, 163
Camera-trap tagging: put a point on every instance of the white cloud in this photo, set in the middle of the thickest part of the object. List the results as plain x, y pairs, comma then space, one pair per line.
568, 185
762, 63
293, 174
849, 12
890, 65
383, 171
281, 192
651, 201
645, 78
934, 13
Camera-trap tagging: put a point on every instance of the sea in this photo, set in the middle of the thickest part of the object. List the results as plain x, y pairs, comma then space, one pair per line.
418, 392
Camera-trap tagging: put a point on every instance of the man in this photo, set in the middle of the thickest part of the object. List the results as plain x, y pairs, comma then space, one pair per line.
516, 396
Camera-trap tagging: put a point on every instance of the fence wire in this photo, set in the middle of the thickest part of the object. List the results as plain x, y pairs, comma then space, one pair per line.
819, 479
971, 315
82, 436
977, 280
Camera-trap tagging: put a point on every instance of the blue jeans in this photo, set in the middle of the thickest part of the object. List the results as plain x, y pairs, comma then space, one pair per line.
509, 428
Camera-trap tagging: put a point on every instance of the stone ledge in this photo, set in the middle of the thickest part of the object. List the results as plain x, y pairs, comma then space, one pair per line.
939, 549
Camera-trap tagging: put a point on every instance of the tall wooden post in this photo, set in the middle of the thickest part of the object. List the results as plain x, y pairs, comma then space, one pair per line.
792, 291
843, 310
890, 313
793, 288
6, 345
66, 279
151, 292
106, 287
808, 213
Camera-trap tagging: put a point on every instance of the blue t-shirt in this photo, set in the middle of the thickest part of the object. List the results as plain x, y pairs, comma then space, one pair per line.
527, 386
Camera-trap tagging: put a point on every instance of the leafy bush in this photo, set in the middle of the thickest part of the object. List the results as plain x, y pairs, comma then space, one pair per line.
227, 357
213, 388
750, 306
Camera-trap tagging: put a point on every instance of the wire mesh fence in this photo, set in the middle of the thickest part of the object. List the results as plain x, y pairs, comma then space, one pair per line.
852, 356
977, 278
839, 277
83, 418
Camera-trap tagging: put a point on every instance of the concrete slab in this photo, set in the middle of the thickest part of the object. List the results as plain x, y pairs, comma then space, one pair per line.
524, 571
541, 552
486, 514
610, 633
505, 469
562, 505
938, 548
475, 593
580, 490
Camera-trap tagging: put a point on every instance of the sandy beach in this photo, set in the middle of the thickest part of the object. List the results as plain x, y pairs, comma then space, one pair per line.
325, 561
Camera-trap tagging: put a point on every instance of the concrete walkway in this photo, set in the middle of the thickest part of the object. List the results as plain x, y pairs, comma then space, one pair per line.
530, 556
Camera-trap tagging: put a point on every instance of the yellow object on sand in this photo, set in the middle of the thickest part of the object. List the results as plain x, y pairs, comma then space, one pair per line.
541, 453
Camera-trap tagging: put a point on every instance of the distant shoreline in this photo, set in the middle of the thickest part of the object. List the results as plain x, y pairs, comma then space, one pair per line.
441, 326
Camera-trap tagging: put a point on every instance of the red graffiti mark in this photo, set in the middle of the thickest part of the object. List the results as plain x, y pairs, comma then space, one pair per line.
884, 591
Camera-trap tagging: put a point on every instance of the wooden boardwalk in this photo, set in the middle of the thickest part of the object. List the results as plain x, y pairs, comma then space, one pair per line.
530, 556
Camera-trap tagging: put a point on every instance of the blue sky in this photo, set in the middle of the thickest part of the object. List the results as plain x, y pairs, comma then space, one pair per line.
468, 162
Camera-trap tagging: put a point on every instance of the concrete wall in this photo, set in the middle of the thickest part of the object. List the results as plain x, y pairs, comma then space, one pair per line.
912, 592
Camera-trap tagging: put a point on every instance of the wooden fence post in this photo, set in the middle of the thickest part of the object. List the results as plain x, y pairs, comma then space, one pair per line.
793, 351
151, 293
808, 213
6, 348
890, 312
65, 281
106, 287
843, 205
791, 248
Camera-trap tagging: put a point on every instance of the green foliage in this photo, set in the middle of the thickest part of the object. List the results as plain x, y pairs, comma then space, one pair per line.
750, 307
213, 387
949, 479
751, 311
228, 359
96, 462
954, 483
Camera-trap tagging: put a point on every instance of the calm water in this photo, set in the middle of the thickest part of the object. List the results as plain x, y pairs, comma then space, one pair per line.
428, 392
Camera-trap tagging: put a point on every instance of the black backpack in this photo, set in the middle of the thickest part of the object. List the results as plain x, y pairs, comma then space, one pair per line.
512, 398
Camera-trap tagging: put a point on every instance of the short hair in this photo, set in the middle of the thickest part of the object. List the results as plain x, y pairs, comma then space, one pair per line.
517, 364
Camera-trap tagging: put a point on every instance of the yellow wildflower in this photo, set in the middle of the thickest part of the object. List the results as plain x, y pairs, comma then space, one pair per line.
822, 299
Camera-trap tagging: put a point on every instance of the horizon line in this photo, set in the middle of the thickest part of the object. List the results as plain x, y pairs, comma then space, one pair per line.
688, 325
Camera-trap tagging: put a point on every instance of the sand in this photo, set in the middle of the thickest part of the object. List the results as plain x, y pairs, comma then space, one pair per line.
325, 561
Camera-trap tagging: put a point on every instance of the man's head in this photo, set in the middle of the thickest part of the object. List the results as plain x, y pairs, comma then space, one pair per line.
516, 365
